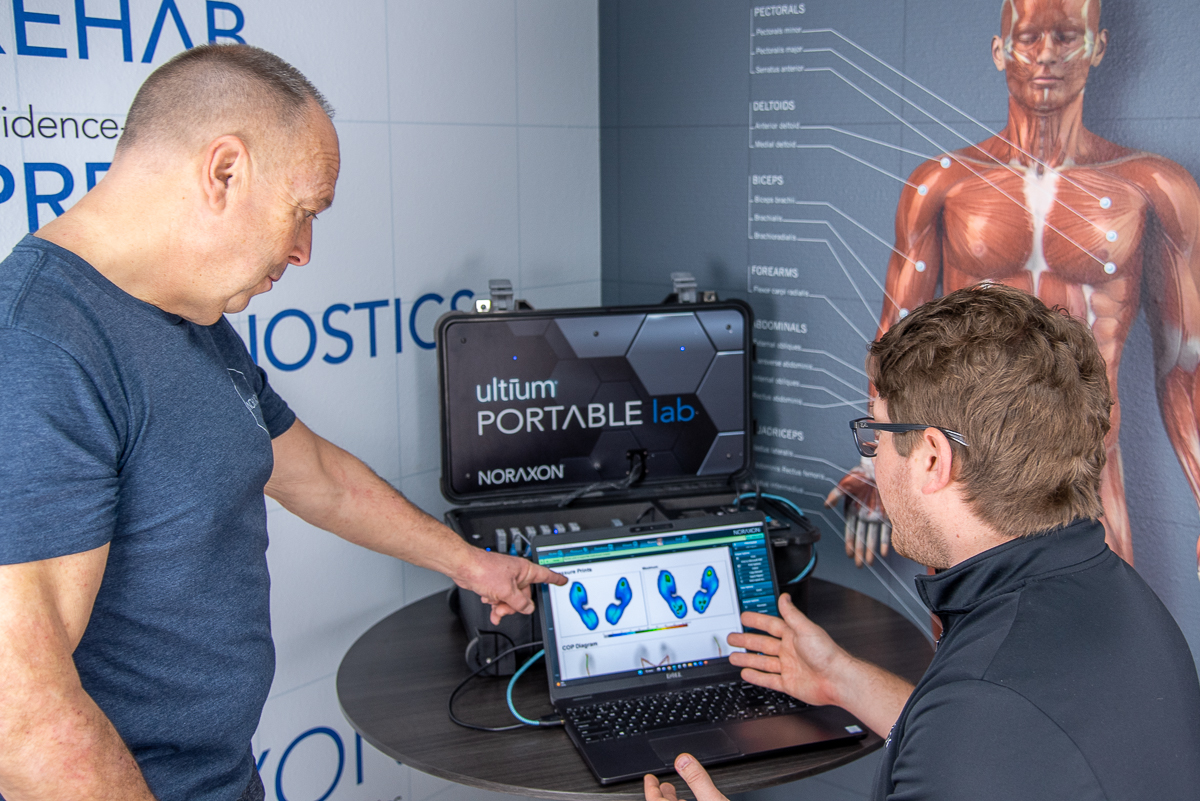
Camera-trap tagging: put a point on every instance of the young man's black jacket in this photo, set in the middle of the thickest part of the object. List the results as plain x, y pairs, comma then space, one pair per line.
1059, 675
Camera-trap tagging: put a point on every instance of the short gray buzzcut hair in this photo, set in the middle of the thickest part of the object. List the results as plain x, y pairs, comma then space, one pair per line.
230, 85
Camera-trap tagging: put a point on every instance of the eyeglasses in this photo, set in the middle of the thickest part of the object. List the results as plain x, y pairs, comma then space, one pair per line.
870, 446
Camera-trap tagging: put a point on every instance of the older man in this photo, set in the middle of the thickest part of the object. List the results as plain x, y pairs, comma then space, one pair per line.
135, 639
1059, 674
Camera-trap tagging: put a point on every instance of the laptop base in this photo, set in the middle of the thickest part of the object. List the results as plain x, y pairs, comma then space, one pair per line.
633, 757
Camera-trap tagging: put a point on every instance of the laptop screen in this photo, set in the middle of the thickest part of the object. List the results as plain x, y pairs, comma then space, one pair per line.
641, 603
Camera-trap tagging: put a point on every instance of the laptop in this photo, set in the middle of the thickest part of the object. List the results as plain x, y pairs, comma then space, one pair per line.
636, 649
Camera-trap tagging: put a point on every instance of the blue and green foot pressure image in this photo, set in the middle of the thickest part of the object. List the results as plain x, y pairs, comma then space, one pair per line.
579, 600
708, 588
666, 588
623, 595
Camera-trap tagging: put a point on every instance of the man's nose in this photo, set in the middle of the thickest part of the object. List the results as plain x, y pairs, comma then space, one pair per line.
1047, 50
302, 252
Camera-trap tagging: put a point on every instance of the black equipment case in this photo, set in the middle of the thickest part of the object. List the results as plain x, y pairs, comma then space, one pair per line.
572, 419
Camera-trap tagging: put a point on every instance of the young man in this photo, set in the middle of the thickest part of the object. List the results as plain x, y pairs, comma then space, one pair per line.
139, 438
1059, 674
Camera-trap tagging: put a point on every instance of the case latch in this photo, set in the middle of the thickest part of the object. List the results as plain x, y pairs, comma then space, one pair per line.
501, 299
684, 290
684, 286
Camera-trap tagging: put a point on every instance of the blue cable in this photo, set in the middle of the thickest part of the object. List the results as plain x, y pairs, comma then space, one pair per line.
779, 498
811, 562
807, 569
512, 683
784, 500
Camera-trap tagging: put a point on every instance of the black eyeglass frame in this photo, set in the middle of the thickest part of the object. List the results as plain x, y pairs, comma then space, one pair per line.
894, 428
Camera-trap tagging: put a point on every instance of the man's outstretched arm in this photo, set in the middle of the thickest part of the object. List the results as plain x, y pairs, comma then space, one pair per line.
1173, 310
332, 489
55, 743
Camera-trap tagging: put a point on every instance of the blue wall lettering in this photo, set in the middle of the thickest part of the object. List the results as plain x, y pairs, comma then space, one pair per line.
53, 200
239, 22
92, 168
168, 6
312, 339
226, 21
34, 198
358, 772
341, 751
83, 22
459, 295
21, 18
412, 319
371, 306
340, 329
332, 734
337, 332
10, 184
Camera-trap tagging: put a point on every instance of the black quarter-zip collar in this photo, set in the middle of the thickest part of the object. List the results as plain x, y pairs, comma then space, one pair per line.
1011, 565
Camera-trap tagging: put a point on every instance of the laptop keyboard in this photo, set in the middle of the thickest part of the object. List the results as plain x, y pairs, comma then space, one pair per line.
715, 703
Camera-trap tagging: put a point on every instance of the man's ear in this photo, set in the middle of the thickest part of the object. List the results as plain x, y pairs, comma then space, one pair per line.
998, 53
1101, 48
935, 461
226, 169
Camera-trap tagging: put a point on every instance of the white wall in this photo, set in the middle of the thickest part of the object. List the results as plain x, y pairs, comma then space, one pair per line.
470, 150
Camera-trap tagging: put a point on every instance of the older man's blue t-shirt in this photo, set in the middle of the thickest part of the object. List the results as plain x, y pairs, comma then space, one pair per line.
126, 425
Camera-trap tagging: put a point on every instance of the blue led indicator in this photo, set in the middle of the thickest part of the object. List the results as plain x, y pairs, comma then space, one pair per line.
681, 347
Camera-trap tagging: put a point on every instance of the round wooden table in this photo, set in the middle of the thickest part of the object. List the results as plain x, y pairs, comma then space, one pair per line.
394, 681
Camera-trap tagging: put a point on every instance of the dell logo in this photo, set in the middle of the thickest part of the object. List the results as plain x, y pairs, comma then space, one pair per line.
675, 674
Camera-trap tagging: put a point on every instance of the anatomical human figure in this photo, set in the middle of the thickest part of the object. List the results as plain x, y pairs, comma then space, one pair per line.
1049, 207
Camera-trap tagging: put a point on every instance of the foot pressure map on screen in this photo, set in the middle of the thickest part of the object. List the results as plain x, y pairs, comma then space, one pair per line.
646, 604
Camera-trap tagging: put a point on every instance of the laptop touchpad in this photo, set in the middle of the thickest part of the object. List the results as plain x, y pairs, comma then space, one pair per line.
704, 745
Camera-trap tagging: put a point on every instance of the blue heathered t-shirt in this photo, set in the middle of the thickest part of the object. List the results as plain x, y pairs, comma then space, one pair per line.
127, 425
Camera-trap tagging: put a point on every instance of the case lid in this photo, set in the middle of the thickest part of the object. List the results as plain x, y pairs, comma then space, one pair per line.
537, 404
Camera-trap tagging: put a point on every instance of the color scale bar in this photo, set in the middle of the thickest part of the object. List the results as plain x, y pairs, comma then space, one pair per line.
645, 631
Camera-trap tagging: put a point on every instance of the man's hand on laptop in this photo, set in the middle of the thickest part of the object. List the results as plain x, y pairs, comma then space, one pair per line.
795, 656
798, 657
690, 771
504, 581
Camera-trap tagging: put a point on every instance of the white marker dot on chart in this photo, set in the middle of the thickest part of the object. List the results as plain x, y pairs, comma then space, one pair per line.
1105, 202
920, 266
1110, 268
903, 313
922, 189
1111, 236
945, 162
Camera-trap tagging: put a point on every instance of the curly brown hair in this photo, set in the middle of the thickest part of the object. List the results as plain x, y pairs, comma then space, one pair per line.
1024, 384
